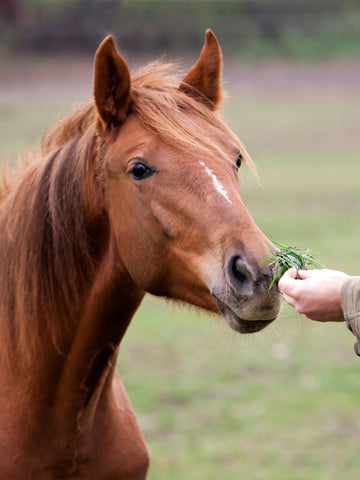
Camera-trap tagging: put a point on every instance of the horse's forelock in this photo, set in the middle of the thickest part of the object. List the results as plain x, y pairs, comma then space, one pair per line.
156, 100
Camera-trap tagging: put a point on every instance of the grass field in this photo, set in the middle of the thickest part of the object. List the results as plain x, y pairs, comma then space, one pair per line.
285, 403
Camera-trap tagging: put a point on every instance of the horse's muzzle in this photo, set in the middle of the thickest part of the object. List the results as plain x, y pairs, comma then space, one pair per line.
244, 300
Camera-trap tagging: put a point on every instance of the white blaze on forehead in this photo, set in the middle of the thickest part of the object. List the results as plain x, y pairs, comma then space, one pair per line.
217, 184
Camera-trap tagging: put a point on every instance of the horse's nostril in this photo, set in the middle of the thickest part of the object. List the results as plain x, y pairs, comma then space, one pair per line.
239, 273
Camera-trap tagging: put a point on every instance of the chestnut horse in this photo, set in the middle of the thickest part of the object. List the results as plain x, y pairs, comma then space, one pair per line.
135, 192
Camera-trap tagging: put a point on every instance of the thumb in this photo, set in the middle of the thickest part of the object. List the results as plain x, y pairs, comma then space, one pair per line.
304, 274
291, 273
287, 280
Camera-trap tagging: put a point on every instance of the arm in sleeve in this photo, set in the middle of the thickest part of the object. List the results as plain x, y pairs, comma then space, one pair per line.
350, 303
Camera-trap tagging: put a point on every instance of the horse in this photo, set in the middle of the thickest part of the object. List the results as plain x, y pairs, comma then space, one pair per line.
135, 192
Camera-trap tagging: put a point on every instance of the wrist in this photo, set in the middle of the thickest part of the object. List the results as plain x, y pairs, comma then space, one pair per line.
350, 303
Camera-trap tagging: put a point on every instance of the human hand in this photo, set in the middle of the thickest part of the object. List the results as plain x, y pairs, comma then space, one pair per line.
316, 294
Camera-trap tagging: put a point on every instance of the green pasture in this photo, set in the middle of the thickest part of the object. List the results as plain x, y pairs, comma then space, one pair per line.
282, 404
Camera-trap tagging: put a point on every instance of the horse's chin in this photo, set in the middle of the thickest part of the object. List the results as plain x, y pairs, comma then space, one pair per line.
239, 324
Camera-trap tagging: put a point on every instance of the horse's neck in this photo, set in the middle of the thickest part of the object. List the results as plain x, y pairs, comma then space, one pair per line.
91, 360
70, 399
68, 388
56, 389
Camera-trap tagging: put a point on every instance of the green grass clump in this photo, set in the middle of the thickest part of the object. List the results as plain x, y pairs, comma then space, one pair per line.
288, 257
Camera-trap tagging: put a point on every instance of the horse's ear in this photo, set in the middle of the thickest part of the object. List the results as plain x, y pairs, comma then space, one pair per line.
112, 84
203, 81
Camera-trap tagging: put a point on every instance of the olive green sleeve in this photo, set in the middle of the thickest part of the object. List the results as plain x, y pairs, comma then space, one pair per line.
350, 303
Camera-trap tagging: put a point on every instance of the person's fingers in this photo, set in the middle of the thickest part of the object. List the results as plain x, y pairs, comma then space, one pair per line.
287, 279
289, 300
303, 274
291, 273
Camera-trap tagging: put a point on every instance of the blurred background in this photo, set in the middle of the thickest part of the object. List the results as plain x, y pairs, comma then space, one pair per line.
251, 28
284, 403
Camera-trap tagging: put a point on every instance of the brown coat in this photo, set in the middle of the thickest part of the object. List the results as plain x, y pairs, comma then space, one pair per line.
350, 302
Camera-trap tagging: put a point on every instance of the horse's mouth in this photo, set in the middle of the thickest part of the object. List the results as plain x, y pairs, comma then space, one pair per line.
239, 324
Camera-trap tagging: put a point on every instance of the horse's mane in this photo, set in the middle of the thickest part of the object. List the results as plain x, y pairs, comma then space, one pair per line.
46, 254
69, 127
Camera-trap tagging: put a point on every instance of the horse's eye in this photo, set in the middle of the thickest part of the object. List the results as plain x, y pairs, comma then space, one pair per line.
238, 161
139, 171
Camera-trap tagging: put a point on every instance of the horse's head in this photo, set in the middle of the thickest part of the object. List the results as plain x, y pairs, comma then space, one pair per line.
169, 173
